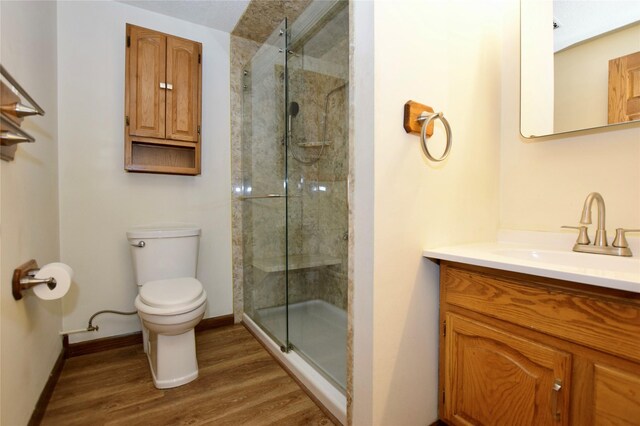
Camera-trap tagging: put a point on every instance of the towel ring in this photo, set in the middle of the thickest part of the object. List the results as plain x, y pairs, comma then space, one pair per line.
426, 119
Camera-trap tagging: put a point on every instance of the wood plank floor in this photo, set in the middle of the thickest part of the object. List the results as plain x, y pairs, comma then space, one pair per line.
239, 384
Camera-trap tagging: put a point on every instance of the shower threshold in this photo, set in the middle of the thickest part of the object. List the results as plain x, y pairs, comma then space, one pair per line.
318, 332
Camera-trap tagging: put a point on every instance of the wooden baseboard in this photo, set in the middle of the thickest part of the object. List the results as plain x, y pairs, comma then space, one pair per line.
114, 342
45, 395
286, 368
102, 344
214, 322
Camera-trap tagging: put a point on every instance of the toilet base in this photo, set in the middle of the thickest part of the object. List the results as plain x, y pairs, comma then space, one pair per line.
172, 359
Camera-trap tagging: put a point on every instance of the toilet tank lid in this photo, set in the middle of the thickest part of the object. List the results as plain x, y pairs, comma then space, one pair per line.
163, 232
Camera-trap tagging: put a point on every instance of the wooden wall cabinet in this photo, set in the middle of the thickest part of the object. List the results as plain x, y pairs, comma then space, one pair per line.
624, 89
163, 103
517, 349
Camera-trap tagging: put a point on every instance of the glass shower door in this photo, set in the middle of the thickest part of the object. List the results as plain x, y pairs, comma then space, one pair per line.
295, 162
264, 192
317, 176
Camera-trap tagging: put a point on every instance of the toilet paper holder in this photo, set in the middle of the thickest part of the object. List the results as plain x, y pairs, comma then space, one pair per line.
24, 279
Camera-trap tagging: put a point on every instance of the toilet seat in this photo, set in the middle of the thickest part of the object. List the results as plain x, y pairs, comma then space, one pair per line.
170, 297
174, 292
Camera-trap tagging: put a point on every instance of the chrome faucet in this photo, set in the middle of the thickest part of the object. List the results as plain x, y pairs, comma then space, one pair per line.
620, 247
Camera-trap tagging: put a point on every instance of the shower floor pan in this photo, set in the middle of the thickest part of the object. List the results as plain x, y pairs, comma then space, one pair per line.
317, 331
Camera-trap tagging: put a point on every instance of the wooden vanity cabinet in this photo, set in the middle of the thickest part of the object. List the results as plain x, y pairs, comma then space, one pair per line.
517, 349
162, 103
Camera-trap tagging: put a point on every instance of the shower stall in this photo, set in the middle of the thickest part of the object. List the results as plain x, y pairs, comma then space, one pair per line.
295, 168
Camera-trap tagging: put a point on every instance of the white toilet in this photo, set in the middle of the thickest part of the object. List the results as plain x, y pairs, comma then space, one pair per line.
170, 301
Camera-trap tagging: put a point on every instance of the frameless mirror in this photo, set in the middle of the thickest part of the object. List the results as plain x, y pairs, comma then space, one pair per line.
580, 65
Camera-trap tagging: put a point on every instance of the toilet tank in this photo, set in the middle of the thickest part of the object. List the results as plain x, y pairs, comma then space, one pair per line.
164, 252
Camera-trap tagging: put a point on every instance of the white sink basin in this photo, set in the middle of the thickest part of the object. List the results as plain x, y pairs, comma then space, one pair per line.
621, 273
597, 262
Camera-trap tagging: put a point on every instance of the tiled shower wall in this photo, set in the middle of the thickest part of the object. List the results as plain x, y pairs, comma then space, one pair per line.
318, 213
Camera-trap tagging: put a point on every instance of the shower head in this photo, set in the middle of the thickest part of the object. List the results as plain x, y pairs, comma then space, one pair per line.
294, 109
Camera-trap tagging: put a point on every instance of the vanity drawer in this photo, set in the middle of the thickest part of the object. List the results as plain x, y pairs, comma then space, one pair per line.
607, 323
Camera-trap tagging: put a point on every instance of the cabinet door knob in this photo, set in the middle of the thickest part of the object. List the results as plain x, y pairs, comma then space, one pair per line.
555, 394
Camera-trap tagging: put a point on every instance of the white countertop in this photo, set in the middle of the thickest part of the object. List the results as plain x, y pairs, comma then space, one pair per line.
547, 255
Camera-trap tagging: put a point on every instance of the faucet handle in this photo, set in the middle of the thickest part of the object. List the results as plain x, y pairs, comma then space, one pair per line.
621, 240
583, 236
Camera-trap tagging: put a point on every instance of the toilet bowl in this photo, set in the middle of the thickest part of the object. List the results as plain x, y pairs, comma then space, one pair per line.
170, 301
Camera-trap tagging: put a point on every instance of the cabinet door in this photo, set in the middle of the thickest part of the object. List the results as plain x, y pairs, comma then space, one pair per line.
183, 76
616, 396
145, 74
624, 88
496, 378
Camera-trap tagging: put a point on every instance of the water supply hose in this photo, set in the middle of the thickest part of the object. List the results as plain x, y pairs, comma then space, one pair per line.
91, 327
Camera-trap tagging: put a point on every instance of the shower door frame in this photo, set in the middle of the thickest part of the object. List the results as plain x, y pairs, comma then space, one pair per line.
281, 31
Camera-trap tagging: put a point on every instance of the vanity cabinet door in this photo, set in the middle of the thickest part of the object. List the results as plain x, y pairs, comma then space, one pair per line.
492, 377
616, 396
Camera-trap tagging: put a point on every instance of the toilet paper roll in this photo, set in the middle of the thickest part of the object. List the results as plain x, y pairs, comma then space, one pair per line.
63, 275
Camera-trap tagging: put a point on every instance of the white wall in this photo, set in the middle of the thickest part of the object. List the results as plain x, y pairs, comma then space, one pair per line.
29, 343
543, 184
99, 201
361, 161
446, 55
